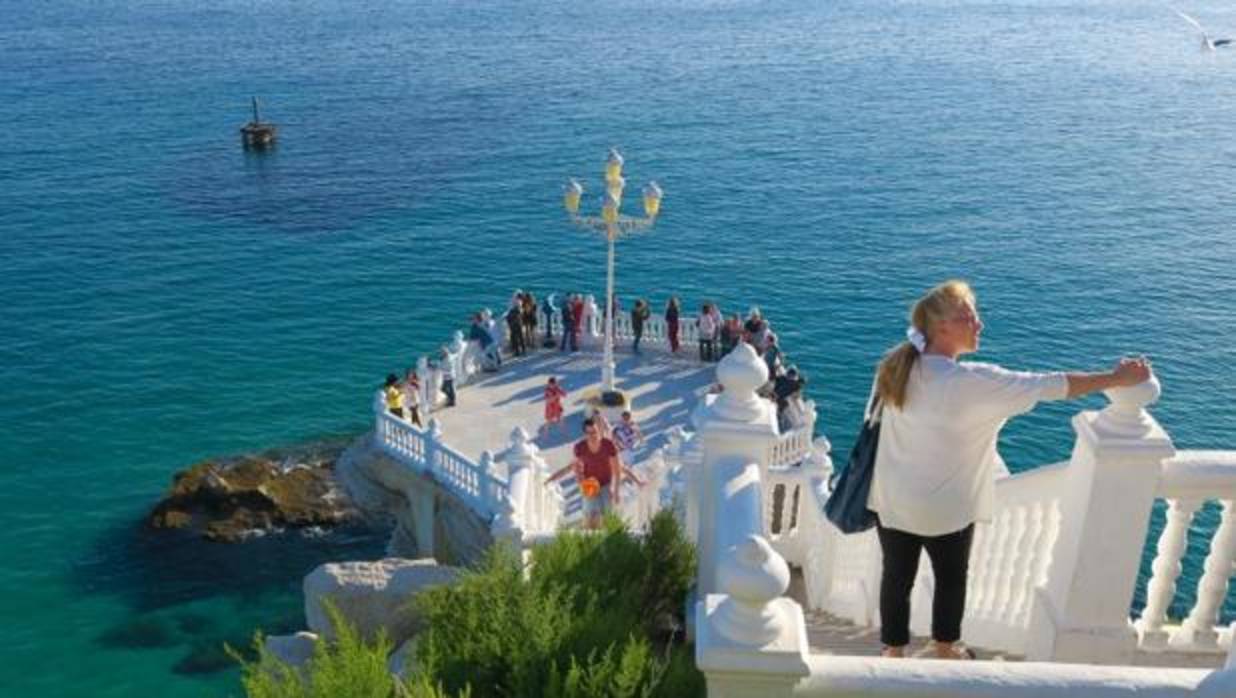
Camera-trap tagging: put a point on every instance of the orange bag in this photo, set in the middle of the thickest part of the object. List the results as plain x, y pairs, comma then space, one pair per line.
590, 487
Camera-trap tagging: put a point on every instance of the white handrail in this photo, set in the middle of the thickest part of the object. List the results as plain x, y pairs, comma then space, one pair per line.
1188, 481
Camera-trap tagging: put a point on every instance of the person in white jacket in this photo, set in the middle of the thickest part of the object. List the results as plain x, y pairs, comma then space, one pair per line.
936, 461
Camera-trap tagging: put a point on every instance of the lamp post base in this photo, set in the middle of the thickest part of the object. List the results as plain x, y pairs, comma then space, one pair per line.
612, 398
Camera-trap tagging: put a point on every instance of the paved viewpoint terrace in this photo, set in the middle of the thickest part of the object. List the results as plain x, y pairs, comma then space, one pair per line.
663, 391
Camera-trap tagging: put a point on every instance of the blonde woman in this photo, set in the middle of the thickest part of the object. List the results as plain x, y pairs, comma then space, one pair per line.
936, 463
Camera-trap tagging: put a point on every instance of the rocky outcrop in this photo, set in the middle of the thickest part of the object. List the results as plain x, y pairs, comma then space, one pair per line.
230, 500
372, 596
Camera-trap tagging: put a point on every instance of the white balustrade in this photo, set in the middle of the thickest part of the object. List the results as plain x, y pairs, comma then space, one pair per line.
1166, 569
1190, 479
794, 445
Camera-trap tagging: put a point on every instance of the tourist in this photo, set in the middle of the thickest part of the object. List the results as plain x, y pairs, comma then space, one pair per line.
598, 470
706, 324
671, 323
936, 464
515, 329
580, 310
529, 320
731, 334
554, 395
754, 328
412, 397
478, 334
590, 315
627, 434
549, 308
717, 321
792, 414
570, 334
772, 355
447, 366
394, 396
639, 315
599, 418
495, 338
787, 388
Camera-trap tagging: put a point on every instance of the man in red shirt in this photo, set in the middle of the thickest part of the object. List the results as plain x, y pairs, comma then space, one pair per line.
598, 470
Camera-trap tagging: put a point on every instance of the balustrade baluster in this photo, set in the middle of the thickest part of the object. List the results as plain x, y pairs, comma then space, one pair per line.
995, 562
1032, 549
1166, 570
1013, 561
1199, 628
976, 581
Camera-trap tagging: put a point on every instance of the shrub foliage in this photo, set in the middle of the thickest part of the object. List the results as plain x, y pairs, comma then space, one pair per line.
595, 615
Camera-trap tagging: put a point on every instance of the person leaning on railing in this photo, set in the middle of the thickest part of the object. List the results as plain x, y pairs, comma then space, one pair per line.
393, 393
936, 462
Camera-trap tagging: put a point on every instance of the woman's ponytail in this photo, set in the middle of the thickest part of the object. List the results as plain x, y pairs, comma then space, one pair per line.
894, 374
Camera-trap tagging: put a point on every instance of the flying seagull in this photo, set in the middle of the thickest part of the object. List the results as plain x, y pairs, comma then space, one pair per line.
1208, 44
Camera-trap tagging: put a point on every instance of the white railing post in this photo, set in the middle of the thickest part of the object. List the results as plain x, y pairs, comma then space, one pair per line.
737, 425
522, 481
1166, 569
1081, 612
592, 320
490, 491
1198, 630
433, 446
751, 641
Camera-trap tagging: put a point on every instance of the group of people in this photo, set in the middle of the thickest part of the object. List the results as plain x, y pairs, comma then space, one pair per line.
403, 397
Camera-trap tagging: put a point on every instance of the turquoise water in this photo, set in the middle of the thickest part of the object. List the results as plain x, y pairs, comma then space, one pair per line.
165, 297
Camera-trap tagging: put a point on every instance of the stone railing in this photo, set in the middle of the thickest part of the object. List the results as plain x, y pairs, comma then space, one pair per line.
656, 330
794, 445
505, 489
1059, 561
1190, 479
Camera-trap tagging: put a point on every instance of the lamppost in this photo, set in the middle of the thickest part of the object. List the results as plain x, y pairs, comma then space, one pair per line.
612, 224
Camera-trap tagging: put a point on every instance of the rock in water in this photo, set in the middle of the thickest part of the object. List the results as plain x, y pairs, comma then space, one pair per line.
229, 500
372, 595
293, 650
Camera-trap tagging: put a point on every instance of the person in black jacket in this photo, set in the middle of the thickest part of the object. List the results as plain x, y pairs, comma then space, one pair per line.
639, 315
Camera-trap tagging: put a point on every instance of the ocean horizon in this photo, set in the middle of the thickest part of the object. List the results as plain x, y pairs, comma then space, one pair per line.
168, 297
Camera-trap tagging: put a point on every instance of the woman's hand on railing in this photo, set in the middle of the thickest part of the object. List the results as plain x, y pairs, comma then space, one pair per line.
1130, 371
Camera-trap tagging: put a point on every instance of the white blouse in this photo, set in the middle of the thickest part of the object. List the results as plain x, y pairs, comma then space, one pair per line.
936, 462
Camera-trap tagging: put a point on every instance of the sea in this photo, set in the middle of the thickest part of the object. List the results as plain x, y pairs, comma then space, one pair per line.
167, 297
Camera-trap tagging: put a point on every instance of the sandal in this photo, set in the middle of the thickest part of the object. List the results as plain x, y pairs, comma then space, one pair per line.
890, 652
955, 652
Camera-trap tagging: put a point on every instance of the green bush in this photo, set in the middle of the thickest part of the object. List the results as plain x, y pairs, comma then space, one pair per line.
347, 667
597, 615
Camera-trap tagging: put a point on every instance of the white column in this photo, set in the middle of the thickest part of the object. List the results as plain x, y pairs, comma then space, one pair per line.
520, 460
1081, 613
1166, 569
607, 365
750, 641
737, 427
1199, 630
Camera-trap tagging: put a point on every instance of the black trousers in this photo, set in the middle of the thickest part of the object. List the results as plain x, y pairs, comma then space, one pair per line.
950, 560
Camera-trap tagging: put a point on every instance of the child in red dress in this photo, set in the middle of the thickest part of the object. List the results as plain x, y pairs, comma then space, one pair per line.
553, 405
